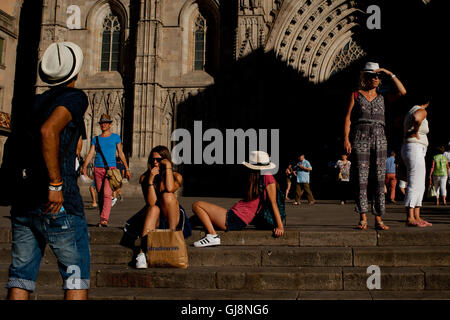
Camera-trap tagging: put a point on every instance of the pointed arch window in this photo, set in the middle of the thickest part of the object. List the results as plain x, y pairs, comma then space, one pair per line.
111, 43
200, 43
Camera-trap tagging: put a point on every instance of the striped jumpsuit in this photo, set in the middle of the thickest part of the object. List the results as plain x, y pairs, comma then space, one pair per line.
370, 149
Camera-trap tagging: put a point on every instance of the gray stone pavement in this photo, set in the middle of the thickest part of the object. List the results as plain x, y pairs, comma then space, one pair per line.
325, 215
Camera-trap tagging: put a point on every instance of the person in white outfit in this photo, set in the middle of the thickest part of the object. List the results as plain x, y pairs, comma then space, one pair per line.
414, 149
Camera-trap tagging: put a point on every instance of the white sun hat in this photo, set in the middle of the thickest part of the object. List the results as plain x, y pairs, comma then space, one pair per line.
370, 67
60, 63
259, 160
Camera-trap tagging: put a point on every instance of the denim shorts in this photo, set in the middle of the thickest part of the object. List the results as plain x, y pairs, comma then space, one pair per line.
67, 236
233, 222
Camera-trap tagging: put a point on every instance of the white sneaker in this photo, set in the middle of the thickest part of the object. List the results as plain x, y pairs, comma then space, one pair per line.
141, 261
209, 240
113, 202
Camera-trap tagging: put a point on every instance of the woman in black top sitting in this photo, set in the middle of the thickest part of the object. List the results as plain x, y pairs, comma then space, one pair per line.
159, 185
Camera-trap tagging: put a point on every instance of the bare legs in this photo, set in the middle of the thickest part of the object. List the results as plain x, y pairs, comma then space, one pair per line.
413, 218
20, 294
288, 189
413, 215
169, 207
210, 215
93, 196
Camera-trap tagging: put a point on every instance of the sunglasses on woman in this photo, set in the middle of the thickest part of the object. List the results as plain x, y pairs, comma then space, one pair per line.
373, 75
157, 159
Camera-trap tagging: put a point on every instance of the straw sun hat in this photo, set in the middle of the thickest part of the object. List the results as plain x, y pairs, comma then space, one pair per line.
60, 63
259, 160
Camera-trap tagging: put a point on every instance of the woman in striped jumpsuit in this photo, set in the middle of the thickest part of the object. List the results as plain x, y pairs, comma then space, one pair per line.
366, 110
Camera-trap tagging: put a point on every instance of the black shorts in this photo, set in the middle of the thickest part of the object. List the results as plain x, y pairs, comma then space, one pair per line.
233, 222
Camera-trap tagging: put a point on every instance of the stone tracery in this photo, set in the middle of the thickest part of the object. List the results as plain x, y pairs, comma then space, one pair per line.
308, 34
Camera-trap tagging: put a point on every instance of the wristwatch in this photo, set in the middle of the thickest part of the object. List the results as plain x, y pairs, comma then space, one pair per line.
55, 188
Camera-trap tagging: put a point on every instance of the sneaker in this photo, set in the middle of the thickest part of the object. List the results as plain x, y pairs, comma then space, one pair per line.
209, 240
141, 261
113, 202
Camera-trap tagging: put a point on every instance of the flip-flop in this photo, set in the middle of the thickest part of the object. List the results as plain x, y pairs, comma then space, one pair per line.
425, 223
381, 226
362, 225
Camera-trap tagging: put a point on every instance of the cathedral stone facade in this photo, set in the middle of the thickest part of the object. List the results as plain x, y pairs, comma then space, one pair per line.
145, 57
156, 65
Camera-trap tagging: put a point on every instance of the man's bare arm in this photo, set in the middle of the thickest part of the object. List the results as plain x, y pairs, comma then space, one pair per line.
50, 131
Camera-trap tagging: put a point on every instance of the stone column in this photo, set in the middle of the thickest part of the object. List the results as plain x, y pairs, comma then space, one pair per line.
146, 114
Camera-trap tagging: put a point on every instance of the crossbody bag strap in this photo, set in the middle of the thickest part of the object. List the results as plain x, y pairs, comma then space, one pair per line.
99, 149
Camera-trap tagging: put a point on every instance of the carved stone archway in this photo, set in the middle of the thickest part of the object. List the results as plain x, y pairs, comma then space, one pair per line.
315, 37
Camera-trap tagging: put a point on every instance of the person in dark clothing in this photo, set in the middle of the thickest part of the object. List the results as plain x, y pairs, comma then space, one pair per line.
53, 213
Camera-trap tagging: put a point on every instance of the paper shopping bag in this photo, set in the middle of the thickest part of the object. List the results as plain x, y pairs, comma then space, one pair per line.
166, 248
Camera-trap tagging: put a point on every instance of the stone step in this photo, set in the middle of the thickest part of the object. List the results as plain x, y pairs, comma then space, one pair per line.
293, 237
251, 278
275, 256
267, 295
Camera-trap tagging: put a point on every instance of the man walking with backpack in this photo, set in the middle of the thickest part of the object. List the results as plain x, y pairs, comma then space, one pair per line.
106, 145
47, 207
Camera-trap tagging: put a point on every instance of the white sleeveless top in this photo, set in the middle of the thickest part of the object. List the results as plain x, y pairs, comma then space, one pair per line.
408, 127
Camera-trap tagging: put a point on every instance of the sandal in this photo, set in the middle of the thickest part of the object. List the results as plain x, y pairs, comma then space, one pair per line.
102, 225
362, 225
381, 226
411, 224
425, 223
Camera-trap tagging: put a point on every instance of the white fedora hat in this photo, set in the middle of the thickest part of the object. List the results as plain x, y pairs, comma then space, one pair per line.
370, 67
60, 62
259, 160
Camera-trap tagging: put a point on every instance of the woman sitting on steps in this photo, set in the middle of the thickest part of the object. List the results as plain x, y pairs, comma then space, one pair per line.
243, 212
159, 185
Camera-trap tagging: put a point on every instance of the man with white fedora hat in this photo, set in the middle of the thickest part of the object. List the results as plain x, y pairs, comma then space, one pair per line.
52, 212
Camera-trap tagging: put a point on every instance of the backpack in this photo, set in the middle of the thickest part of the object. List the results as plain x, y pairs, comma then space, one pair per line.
23, 170
265, 217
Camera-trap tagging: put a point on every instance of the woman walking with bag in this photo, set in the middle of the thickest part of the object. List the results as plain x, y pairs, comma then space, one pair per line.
366, 111
106, 145
243, 212
159, 186
439, 175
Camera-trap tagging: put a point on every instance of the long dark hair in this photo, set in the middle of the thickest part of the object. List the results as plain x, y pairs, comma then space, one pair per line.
163, 151
252, 187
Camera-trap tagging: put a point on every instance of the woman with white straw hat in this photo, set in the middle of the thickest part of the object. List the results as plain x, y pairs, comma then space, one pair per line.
366, 110
243, 212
